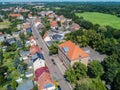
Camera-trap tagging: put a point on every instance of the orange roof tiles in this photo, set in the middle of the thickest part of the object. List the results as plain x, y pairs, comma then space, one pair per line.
34, 49
43, 80
15, 15
74, 52
53, 23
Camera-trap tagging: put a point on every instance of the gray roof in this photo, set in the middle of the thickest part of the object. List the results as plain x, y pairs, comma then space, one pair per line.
26, 86
23, 53
36, 56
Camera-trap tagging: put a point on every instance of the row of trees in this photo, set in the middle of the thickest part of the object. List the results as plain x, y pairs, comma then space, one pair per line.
79, 74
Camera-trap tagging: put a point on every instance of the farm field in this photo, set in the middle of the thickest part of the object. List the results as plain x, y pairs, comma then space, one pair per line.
101, 19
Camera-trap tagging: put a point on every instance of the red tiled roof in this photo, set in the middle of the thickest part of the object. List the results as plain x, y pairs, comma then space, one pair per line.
53, 23
74, 52
34, 49
15, 15
43, 80
39, 72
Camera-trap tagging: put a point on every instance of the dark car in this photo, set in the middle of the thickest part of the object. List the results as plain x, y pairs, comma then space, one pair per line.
53, 61
59, 88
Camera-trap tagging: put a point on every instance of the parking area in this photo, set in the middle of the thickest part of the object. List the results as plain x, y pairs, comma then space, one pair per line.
94, 55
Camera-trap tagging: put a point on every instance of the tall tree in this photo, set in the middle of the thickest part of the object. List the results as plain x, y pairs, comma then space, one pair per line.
116, 82
14, 84
95, 69
80, 70
70, 75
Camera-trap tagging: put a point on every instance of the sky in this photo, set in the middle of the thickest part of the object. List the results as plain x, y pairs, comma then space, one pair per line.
53, 0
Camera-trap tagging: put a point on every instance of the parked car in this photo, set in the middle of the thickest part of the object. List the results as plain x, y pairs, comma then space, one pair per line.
53, 61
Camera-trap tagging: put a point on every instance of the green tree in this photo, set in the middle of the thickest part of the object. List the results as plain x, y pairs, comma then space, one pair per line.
82, 40
35, 87
90, 84
70, 75
22, 36
1, 79
80, 70
116, 82
53, 48
14, 84
1, 56
95, 69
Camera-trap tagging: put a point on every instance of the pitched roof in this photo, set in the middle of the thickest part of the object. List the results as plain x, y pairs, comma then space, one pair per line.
45, 81
72, 51
34, 49
56, 36
36, 56
15, 15
39, 72
53, 23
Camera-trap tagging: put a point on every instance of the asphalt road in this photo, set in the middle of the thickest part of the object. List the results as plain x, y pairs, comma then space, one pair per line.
54, 70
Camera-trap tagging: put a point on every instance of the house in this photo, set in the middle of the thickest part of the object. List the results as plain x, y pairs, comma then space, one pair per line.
74, 26
34, 49
61, 19
18, 44
57, 37
70, 53
25, 25
38, 61
18, 16
26, 85
29, 74
4, 48
39, 71
2, 38
53, 24
45, 82
16, 34
27, 43
28, 30
37, 21
32, 41
30, 15
8, 36
46, 37
25, 55
10, 41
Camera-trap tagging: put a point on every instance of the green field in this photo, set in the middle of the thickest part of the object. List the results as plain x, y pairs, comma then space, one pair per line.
101, 19
4, 24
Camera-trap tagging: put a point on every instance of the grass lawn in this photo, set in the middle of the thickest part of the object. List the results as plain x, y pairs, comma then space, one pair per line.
4, 24
101, 19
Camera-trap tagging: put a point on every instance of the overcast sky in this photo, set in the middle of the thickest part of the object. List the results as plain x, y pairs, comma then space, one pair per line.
51, 0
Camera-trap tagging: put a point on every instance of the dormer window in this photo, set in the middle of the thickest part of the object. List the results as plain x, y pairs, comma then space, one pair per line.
65, 49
